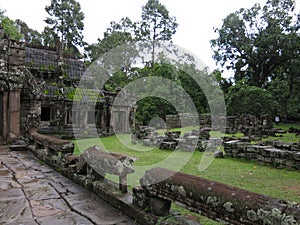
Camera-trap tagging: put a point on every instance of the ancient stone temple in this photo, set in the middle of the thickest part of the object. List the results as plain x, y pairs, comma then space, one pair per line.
38, 89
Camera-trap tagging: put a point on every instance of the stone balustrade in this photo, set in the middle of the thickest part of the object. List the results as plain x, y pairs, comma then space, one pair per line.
95, 162
50, 148
218, 201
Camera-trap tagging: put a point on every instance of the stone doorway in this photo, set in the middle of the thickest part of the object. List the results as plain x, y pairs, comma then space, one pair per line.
119, 121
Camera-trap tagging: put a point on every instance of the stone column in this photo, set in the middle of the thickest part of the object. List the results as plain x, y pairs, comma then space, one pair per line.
14, 112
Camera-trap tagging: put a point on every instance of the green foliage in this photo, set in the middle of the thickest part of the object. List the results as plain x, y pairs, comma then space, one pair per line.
193, 90
256, 42
151, 107
66, 20
245, 99
157, 24
116, 35
30, 36
49, 37
170, 91
9, 27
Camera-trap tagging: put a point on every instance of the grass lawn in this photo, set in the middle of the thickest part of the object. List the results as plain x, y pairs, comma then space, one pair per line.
279, 183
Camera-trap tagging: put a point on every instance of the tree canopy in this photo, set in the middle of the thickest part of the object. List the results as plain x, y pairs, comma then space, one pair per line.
9, 26
66, 20
256, 42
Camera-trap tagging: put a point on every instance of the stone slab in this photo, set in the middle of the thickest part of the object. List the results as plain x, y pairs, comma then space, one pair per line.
41, 192
14, 209
96, 209
69, 218
50, 207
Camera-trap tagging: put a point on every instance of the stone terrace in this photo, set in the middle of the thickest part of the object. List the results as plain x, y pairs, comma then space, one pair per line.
33, 193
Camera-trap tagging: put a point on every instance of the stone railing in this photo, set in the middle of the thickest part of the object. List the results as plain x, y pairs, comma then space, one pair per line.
274, 153
95, 163
215, 200
50, 148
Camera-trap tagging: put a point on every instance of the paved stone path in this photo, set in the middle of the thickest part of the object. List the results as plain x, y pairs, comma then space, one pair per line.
33, 193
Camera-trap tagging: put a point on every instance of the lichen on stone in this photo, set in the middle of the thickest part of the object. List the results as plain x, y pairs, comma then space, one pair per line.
228, 207
181, 191
251, 214
212, 201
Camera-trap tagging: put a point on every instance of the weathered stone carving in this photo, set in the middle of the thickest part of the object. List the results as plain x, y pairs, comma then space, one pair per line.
215, 200
102, 162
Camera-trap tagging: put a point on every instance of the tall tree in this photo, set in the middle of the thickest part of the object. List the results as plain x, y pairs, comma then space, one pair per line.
30, 36
9, 26
66, 19
157, 24
246, 99
255, 42
49, 37
117, 34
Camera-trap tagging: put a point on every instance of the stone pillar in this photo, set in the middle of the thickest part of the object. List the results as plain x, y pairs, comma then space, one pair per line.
4, 115
14, 112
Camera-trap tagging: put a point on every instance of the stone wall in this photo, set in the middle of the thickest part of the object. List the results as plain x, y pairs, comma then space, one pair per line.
247, 124
187, 119
218, 201
273, 153
12, 55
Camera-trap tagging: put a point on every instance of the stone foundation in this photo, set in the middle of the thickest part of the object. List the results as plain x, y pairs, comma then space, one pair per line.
273, 153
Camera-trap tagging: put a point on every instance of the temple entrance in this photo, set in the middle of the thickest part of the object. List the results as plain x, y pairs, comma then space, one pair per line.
119, 121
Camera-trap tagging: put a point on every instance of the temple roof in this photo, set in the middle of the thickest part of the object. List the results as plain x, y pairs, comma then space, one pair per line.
47, 60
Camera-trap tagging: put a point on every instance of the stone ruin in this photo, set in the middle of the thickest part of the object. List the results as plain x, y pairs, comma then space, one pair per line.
247, 124
172, 140
150, 202
227, 204
38, 89
274, 153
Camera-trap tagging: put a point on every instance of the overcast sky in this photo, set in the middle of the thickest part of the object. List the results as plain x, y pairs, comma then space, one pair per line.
196, 18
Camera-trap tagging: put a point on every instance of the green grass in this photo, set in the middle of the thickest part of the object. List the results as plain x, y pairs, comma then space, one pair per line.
266, 180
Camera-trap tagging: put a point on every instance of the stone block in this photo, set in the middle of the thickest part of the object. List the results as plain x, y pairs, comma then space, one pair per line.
251, 155
276, 153
159, 206
267, 159
260, 158
139, 197
266, 152
297, 156
290, 163
289, 155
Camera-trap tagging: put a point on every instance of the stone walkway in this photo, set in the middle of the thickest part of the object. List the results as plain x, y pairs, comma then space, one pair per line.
33, 193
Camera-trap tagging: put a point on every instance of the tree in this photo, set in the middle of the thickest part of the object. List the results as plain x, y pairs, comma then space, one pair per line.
157, 24
224, 83
116, 35
49, 37
9, 26
255, 42
30, 36
66, 19
245, 99
285, 91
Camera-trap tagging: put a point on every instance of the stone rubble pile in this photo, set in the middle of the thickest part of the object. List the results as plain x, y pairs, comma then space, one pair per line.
172, 140
275, 153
